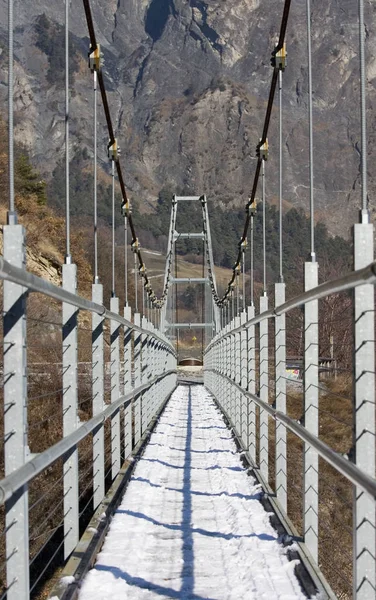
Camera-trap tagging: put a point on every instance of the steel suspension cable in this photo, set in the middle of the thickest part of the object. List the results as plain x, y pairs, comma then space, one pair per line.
243, 270
135, 284
113, 227
12, 219
264, 227
252, 260
365, 216
310, 118
96, 278
126, 261
280, 178
67, 191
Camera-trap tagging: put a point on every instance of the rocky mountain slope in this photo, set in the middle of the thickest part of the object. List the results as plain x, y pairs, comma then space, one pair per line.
188, 82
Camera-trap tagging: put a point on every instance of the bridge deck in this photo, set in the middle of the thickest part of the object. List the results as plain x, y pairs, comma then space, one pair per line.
190, 524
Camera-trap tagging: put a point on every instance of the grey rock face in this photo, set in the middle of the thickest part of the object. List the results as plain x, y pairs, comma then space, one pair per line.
188, 83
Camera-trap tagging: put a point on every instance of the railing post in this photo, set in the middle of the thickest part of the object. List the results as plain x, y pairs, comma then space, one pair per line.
15, 417
264, 389
222, 358
229, 356
280, 399
364, 417
251, 341
311, 412
127, 383
243, 381
145, 376
151, 350
115, 389
70, 414
232, 409
144, 362
237, 378
98, 397
137, 379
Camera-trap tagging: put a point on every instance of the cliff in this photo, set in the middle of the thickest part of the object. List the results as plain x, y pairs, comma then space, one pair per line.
188, 83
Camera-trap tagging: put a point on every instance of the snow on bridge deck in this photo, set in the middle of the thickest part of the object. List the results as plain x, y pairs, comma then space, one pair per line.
190, 525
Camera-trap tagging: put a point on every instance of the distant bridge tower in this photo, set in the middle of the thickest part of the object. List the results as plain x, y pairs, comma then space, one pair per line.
207, 322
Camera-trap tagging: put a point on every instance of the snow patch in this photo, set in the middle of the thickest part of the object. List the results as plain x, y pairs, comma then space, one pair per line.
67, 580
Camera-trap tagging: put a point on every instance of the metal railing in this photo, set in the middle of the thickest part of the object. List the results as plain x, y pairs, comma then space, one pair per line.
285, 433
49, 495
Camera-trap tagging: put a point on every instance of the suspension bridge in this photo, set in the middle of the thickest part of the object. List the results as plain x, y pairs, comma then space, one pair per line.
173, 482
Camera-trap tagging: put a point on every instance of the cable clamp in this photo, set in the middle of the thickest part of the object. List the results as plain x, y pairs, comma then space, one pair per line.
95, 59
262, 150
113, 150
252, 208
126, 209
278, 60
135, 246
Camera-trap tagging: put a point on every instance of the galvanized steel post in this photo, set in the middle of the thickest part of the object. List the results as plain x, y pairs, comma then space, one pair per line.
137, 379
70, 414
98, 397
243, 380
264, 389
144, 376
115, 389
251, 386
127, 383
311, 411
15, 417
280, 399
237, 378
364, 417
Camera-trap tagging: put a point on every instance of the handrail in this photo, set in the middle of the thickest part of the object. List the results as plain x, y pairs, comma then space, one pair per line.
37, 284
336, 460
13, 482
342, 284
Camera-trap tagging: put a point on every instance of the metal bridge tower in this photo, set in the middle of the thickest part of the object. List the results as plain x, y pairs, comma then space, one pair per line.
210, 324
